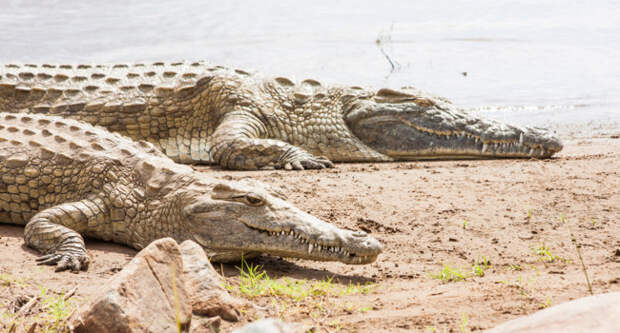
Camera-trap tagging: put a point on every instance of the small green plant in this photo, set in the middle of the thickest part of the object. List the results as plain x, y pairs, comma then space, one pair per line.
516, 267
546, 303
463, 323
544, 253
57, 309
252, 279
357, 288
465, 224
336, 325
50, 310
449, 274
364, 309
529, 214
479, 267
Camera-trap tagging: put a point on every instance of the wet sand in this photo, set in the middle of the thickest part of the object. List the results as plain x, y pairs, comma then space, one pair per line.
426, 214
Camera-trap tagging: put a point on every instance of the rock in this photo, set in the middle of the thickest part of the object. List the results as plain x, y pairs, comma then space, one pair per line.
141, 297
266, 326
598, 313
205, 287
209, 325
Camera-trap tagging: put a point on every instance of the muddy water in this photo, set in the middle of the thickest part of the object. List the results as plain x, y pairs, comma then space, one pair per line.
548, 63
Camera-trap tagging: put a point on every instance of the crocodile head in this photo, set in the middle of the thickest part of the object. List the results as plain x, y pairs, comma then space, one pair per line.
406, 126
237, 218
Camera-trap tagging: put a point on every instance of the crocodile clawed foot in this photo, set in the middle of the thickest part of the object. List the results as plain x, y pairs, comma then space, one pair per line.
65, 261
308, 162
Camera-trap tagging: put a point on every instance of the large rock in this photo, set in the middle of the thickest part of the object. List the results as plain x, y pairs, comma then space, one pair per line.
141, 297
205, 287
598, 313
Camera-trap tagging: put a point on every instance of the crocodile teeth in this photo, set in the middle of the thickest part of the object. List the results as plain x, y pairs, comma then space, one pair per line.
485, 147
521, 138
320, 247
310, 246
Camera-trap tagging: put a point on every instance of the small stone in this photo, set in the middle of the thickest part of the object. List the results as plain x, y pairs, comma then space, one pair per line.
208, 325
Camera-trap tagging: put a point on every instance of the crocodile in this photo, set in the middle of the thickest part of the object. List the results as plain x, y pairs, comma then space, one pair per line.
64, 179
196, 112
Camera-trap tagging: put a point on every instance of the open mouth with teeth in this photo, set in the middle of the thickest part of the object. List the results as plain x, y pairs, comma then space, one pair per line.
402, 138
465, 145
349, 247
321, 250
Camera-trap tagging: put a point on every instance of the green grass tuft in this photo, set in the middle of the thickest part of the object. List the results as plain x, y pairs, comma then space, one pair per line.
449, 274
452, 274
255, 282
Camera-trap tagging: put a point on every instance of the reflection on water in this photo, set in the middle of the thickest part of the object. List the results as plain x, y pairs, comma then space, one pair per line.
537, 62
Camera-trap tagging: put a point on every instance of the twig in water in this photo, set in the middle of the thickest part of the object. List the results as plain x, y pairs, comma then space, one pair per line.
384, 39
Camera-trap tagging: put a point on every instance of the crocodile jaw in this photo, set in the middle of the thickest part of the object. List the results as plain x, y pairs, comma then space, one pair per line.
296, 244
229, 229
407, 131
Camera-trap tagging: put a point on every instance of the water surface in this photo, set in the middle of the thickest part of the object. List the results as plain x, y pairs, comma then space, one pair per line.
546, 63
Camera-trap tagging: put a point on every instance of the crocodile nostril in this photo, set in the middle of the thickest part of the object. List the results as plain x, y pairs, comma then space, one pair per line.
359, 234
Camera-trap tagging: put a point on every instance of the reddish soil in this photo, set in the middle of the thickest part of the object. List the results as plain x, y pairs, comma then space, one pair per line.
426, 214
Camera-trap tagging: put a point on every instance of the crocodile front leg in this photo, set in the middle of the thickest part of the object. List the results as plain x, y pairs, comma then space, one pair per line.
55, 232
238, 144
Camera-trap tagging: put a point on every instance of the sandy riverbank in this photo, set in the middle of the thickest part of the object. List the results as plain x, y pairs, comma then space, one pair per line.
426, 214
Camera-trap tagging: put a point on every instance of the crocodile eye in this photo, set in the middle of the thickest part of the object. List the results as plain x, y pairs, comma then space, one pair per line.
253, 199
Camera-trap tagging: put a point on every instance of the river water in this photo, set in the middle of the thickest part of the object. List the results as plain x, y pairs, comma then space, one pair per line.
545, 63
